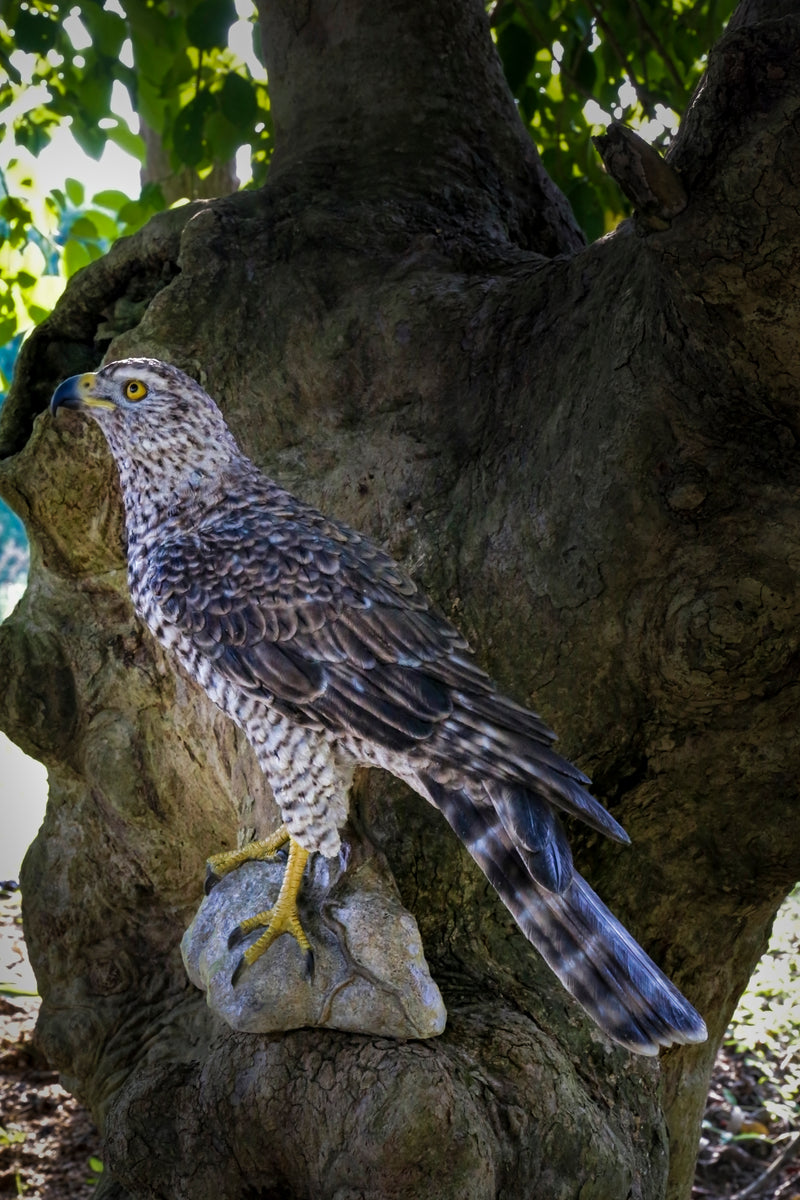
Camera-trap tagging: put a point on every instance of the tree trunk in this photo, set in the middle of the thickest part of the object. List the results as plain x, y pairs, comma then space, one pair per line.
588, 457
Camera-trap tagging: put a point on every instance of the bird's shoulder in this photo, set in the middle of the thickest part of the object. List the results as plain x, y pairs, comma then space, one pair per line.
263, 546
310, 616
315, 619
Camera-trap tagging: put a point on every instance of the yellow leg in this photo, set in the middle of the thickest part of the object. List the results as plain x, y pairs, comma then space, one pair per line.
222, 864
283, 916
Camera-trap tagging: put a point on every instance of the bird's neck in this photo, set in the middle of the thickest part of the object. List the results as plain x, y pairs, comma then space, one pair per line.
158, 493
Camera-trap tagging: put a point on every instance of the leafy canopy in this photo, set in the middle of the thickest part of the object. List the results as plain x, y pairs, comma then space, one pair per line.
570, 64
63, 62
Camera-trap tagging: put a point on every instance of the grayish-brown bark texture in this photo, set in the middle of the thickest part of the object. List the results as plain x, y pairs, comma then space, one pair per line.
587, 455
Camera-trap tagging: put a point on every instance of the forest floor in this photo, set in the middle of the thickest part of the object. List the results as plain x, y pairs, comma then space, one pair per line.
750, 1142
749, 1150
49, 1147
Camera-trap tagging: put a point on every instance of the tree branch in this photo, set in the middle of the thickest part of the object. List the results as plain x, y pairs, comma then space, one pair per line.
362, 132
651, 185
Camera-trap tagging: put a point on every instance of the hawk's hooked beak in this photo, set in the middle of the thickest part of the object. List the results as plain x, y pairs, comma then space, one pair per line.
79, 392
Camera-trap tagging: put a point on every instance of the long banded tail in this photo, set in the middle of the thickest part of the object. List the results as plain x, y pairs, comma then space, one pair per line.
589, 950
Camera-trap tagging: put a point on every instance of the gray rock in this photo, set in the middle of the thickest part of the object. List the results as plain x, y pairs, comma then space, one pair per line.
370, 973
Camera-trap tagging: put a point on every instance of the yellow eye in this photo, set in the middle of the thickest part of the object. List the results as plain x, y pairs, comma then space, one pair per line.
135, 390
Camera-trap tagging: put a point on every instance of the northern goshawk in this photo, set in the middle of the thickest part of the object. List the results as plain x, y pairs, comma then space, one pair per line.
323, 650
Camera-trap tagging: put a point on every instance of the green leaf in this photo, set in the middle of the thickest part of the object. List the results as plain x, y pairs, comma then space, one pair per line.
587, 209
35, 31
135, 213
95, 94
208, 23
155, 36
110, 199
37, 314
76, 256
517, 50
150, 105
13, 209
8, 327
32, 136
153, 197
12, 989
223, 138
188, 128
180, 69
107, 226
132, 215
75, 190
238, 100
128, 141
107, 29
90, 139
83, 228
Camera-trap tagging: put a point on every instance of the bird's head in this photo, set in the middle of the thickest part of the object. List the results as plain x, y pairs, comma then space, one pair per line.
150, 413
134, 389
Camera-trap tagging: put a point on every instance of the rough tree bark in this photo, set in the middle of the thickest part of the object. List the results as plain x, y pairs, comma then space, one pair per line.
587, 455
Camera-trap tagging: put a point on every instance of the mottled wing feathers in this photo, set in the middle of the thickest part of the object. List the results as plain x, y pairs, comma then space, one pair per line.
304, 615
318, 621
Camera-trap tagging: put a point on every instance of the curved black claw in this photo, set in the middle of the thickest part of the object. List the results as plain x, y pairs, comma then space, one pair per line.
238, 971
310, 965
235, 938
212, 879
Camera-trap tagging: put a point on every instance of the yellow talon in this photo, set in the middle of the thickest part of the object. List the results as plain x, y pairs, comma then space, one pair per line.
222, 864
283, 917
